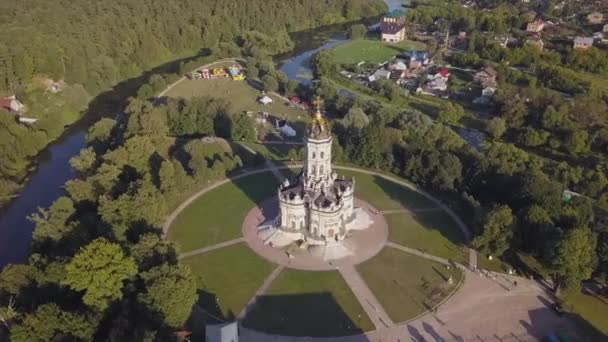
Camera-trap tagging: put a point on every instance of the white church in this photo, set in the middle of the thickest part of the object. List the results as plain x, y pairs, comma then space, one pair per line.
317, 203
316, 207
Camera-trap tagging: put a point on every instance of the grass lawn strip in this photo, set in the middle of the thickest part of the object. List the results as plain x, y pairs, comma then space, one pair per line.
407, 285
430, 232
592, 308
372, 51
384, 194
301, 303
218, 215
233, 274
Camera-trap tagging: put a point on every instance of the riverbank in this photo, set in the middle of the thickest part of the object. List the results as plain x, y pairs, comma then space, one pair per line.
45, 183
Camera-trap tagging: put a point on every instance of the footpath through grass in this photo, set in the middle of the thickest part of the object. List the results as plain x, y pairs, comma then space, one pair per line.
300, 303
430, 232
231, 274
218, 215
372, 51
407, 285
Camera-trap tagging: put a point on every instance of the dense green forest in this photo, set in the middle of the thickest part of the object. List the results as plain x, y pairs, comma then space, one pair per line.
93, 46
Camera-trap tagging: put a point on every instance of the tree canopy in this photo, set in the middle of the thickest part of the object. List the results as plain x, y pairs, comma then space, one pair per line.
99, 270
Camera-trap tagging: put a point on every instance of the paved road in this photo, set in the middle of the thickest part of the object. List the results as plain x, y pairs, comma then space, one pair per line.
366, 298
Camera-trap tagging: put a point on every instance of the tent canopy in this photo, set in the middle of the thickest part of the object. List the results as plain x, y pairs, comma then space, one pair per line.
265, 100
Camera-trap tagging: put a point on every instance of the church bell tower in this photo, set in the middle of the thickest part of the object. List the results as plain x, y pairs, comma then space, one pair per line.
317, 166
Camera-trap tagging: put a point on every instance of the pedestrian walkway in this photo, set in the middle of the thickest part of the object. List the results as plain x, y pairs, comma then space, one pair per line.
409, 211
366, 298
275, 273
424, 255
275, 170
211, 248
472, 258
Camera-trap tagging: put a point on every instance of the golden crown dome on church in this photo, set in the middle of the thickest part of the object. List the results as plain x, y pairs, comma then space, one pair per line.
319, 127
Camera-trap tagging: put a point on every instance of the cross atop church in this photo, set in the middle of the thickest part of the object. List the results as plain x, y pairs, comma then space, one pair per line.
318, 102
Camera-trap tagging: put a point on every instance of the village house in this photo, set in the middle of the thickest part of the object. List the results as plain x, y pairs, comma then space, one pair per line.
437, 82
417, 58
378, 75
393, 27
488, 92
595, 18
486, 77
535, 26
398, 65
228, 332
486, 96
11, 104
582, 43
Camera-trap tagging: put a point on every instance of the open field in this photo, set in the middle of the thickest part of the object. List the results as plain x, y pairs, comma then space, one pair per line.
242, 96
384, 194
407, 285
430, 232
231, 274
372, 51
218, 215
304, 303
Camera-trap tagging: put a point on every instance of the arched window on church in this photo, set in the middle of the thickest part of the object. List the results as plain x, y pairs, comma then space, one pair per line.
314, 169
321, 169
322, 155
313, 155
293, 225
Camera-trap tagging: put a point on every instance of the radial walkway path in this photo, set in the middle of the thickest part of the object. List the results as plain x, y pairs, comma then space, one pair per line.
366, 298
211, 248
275, 273
424, 255
409, 211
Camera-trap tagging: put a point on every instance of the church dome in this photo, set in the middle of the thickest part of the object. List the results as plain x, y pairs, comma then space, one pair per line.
319, 127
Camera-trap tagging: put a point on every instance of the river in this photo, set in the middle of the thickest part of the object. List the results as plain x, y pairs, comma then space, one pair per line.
45, 184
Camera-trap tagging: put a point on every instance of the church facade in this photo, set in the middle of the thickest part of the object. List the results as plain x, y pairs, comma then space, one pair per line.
317, 203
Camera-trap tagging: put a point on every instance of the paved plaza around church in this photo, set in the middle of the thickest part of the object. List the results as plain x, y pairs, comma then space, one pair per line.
358, 247
480, 306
